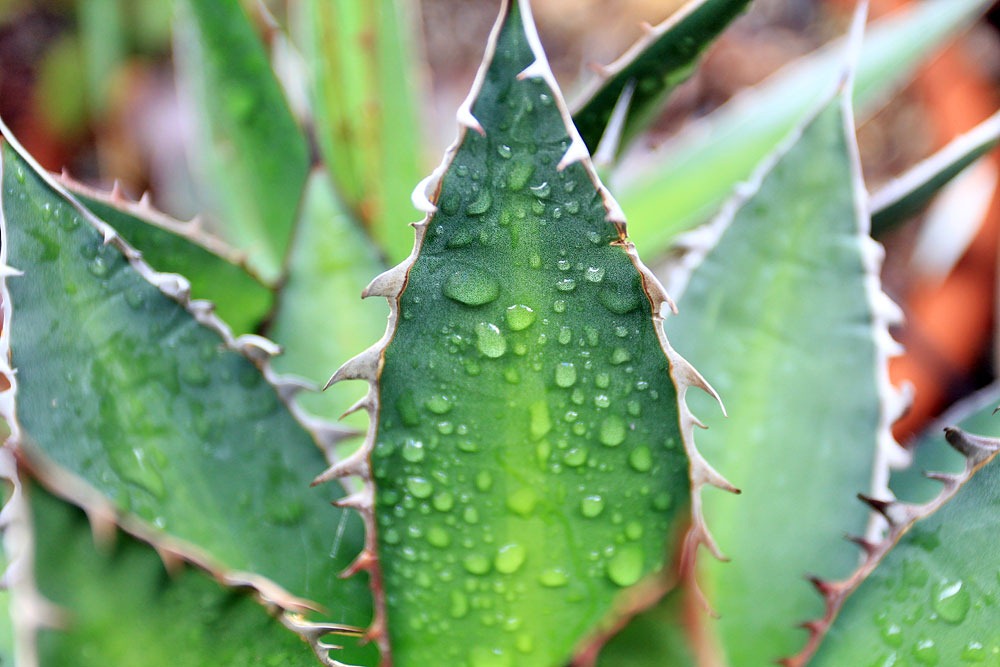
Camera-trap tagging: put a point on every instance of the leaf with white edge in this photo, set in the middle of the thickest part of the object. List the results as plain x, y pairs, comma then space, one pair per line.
140, 404
320, 319
530, 446
792, 271
927, 593
974, 414
904, 197
117, 603
365, 87
642, 78
216, 272
699, 167
250, 156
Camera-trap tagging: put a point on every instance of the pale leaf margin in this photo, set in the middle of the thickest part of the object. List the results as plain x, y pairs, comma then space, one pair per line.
368, 365
18, 457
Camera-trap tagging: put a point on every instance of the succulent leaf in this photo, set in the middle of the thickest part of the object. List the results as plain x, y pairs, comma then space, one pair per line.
792, 270
927, 593
364, 82
120, 603
320, 318
655, 637
648, 72
251, 156
531, 447
907, 195
216, 272
191, 441
703, 163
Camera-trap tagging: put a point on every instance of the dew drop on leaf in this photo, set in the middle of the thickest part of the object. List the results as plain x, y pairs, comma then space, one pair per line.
490, 341
625, 567
951, 601
520, 317
472, 287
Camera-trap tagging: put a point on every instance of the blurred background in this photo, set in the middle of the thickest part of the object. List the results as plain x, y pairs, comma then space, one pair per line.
88, 86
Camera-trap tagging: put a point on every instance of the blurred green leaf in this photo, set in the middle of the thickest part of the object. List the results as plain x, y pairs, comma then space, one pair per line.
655, 638
102, 37
250, 156
365, 86
787, 278
698, 168
652, 69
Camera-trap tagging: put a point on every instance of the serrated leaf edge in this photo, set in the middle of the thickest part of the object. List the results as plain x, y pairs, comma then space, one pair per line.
102, 514
900, 517
390, 284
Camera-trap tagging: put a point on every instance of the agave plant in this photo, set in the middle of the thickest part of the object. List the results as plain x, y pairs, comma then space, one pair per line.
528, 490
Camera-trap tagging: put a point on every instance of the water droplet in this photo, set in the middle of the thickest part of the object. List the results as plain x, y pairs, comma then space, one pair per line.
443, 502
476, 564
445, 428
504, 151
634, 408
520, 172
564, 265
473, 287
619, 299
510, 558
951, 601
633, 530
484, 480
438, 537
575, 457
625, 567
613, 430
520, 317
620, 356
566, 285
591, 506
490, 341
470, 515
512, 375
542, 190
926, 652
522, 501
540, 422
459, 604
565, 374
594, 274
559, 306
98, 266
602, 380
391, 536
413, 450
438, 404
481, 204
641, 459
892, 635
419, 487
565, 335
974, 652
19, 174
553, 577
602, 400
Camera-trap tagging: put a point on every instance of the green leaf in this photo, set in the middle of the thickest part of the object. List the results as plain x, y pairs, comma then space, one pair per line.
932, 599
651, 70
654, 638
700, 166
530, 452
250, 156
118, 605
932, 453
321, 319
365, 76
147, 399
907, 195
216, 272
102, 40
781, 306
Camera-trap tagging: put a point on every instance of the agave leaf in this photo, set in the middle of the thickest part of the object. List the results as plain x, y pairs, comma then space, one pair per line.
117, 604
907, 195
648, 72
698, 168
216, 272
792, 272
320, 319
931, 452
927, 593
251, 157
191, 441
365, 92
529, 448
